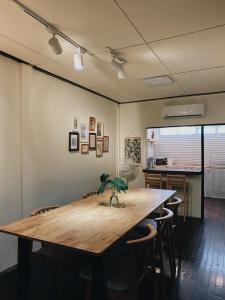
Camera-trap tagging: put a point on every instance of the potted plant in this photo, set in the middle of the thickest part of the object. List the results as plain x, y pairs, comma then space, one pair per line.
117, 185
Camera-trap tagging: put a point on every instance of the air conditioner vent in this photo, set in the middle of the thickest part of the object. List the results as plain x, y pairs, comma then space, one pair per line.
179, 111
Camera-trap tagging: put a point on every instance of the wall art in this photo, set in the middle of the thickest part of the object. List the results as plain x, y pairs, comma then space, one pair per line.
83, 133
100, 130
74, 141
84, 148
92, 141
105, 144
99, 148
92, 124
133, 149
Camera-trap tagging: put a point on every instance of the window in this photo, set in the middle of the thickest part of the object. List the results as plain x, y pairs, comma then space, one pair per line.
210, 129
185, 130
221, 129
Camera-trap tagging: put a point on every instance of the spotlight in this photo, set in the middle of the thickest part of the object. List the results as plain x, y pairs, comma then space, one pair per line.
55, 45
117, 63
78, 60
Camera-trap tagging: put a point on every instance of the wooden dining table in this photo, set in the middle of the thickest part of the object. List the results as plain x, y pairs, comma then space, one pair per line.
84, 226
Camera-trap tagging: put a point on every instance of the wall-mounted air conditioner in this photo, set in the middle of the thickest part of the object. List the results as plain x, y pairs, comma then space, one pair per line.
189, 110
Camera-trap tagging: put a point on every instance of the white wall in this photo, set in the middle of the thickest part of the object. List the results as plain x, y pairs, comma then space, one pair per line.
10, 156
36, 167
136, 117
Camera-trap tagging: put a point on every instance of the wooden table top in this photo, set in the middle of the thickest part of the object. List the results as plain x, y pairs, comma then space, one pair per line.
87, 226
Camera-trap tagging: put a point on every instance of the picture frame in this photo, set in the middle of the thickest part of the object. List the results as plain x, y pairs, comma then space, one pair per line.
92, 141
100, 130
83, 133
133, 149
99, 148
84, 148
74, 141
75, 123
92, 124
105, 143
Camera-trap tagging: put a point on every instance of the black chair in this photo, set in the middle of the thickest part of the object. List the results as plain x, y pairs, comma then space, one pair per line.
123, 273
57, 258
164, 242
174, 206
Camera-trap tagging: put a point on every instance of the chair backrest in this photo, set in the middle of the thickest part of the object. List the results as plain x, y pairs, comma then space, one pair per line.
153, 180
164, 221
174, 204
141, 251
151, 234
40, 211
43, 210
176, 181
89, 194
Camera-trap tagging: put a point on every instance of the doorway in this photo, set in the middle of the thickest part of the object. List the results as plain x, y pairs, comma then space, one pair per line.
214, 171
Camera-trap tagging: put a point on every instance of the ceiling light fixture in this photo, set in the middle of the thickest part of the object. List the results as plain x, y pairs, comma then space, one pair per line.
163, 80
78, 60
55, 45
118, 64
53, 42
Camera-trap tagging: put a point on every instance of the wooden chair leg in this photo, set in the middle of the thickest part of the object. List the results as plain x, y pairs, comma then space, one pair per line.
184, 206
162, 275
171, 256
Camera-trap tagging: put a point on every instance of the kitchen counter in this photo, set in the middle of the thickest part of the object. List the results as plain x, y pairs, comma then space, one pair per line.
194, 180
174, 170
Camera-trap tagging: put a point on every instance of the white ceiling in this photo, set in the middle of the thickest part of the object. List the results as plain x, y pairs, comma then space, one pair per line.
182, 38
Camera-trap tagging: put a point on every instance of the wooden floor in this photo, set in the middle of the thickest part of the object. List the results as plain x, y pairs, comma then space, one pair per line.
215, 208
202, 276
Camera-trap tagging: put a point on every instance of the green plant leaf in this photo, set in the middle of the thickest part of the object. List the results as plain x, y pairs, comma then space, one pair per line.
104, 177
102, 188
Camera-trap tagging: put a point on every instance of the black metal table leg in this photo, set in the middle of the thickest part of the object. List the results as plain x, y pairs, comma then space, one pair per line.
98, 287
24, 251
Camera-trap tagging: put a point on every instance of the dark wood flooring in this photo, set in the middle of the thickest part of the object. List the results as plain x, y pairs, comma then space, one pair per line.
202, 276
215, 208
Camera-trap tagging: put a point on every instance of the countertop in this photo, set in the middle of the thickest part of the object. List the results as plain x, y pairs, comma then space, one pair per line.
174, 170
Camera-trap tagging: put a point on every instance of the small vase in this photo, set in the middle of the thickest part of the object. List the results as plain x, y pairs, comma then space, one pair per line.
114, 201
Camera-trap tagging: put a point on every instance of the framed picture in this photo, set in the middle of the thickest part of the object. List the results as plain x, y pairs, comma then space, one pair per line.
83, 133
92, 141
73, 141
92, 124
84, 148
105, 144
75, 124
100, 130
99, 148
133, 149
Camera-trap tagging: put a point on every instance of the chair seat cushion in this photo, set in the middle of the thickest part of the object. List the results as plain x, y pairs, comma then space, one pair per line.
141, 228
117, 272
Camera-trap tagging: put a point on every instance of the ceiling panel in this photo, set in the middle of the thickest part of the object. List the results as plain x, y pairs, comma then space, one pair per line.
204, 81
157, 19
134, 90
195, 51
93, 24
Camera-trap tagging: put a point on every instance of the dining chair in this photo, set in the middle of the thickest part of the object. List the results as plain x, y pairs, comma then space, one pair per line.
87, 195
173, 205
123, 273
179, 183
164, 243
56, 257
153, 181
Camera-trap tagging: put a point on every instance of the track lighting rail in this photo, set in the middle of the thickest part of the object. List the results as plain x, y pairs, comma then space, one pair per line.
50, 27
